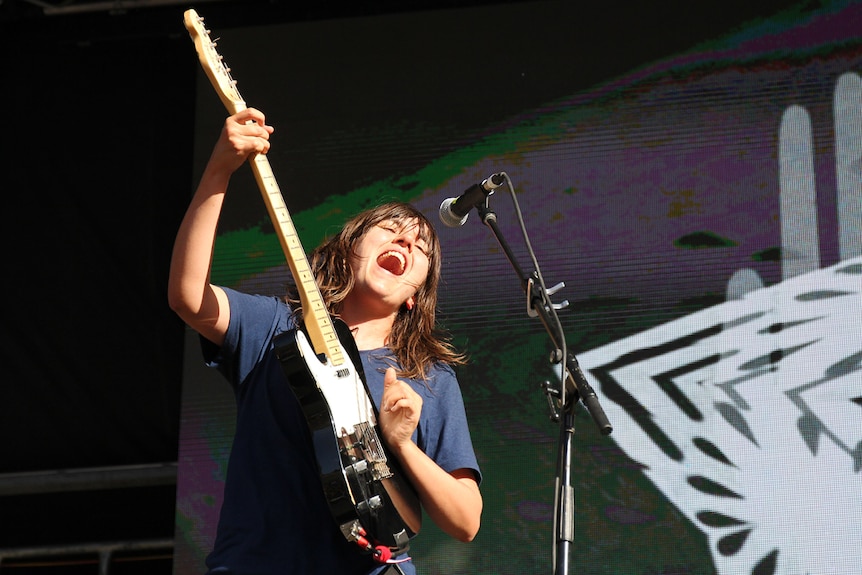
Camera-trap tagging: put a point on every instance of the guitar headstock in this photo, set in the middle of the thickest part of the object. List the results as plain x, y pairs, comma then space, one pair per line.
213, 63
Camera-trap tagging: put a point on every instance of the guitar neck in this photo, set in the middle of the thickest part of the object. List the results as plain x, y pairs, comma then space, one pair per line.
318, 324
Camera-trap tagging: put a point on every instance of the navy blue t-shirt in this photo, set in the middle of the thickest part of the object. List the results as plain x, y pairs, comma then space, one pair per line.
275, 517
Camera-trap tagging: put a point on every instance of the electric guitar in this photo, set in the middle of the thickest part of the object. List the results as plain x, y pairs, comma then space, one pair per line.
369, 496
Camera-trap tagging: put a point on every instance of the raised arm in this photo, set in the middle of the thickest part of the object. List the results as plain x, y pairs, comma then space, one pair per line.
190, 294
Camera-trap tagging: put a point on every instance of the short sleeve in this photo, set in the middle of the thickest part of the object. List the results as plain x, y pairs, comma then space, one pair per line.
254, 320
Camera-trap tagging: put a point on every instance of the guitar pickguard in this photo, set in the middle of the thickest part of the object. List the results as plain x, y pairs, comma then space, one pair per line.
360, 483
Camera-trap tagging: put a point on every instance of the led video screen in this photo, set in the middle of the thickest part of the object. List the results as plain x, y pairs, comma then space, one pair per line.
702, 205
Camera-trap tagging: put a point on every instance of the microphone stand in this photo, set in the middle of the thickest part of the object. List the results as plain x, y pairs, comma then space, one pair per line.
562, 399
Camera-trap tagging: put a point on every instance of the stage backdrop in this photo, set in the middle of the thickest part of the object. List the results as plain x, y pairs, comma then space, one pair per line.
700, 198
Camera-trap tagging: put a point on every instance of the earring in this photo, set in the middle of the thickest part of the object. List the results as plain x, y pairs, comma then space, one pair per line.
409, 304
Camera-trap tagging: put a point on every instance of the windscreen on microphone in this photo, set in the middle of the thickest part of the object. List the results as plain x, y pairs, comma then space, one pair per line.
454, 211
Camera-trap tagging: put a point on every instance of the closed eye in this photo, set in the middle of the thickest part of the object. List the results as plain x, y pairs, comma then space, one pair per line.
419, 244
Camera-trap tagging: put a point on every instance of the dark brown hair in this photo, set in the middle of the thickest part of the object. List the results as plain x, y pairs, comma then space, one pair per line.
416, 339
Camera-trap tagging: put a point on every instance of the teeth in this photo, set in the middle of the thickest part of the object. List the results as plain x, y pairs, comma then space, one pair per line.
400, 258
402, 263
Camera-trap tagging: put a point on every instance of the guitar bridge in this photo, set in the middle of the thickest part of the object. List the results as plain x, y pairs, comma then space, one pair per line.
364, 445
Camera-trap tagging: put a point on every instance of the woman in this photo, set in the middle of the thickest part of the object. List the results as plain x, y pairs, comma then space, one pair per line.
379, 276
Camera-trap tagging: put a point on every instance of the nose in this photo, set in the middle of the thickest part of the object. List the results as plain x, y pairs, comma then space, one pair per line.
407, 238
405, 242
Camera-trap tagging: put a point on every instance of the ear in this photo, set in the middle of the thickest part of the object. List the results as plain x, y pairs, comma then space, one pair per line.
410, 303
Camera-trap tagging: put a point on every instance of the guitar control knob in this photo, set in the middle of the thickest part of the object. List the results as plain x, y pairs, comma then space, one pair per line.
369, 504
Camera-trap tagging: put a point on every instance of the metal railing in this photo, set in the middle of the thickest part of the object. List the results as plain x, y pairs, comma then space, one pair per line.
87, 479
102, 554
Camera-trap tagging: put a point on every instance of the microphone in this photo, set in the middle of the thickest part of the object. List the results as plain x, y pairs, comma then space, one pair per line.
454, 211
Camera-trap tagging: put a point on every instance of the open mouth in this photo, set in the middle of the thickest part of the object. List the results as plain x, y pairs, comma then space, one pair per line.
393, 262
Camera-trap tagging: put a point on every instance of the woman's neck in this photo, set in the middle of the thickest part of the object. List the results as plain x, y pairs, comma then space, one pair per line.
369, 333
